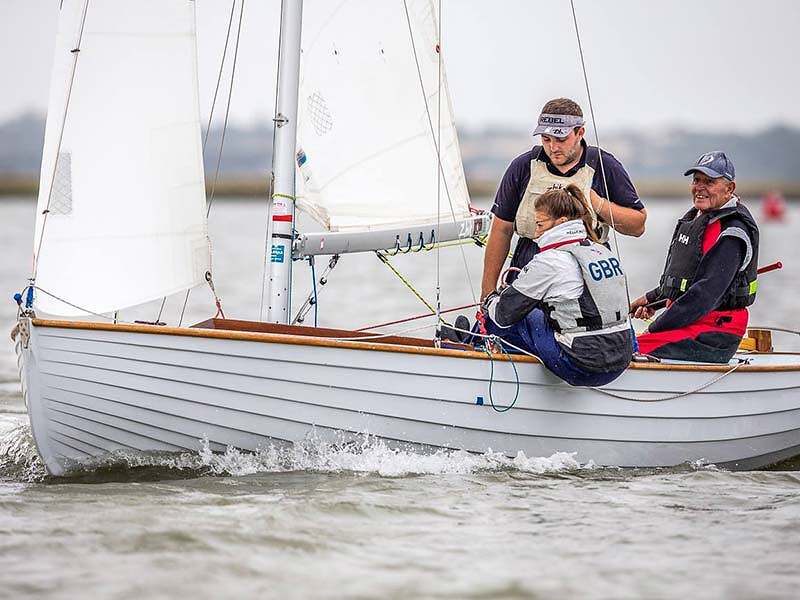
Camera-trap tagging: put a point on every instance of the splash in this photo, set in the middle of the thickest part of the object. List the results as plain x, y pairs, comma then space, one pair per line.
370, 454
19, 460
365, 454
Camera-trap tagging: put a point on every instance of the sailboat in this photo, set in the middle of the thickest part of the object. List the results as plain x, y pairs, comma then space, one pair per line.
122, 221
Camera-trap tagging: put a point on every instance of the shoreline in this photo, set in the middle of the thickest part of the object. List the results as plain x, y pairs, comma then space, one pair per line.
12, 185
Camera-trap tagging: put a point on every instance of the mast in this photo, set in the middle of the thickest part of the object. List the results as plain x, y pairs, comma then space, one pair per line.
279, 255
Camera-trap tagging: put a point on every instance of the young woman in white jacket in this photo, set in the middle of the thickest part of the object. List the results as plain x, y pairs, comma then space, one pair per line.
568, 306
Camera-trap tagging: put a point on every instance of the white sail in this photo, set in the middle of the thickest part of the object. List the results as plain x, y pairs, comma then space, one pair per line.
370, 116
121, 211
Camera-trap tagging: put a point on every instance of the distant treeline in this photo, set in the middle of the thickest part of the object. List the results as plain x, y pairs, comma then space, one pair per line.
764, 160
245, 186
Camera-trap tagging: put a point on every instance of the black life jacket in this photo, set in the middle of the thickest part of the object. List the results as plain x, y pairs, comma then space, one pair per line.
686, 250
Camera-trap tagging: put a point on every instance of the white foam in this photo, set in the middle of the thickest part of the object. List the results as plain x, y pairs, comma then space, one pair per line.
372, 455
366, 454
18, 457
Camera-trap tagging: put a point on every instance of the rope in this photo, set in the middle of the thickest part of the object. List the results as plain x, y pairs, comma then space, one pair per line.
75, 52
438, 170
415, 317
217, 301
68, 303
161, 310
770, 328
313, 298
491, 376
314, 286
491, 338
385, 260
679, 394
597, 143
287, 196
377, 336
224, 126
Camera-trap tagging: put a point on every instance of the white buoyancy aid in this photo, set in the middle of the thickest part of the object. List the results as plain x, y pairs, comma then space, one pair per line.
594, 328
541, 181
603, 304
580, 286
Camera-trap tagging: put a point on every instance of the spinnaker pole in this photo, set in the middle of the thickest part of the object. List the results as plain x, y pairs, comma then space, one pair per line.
279, 242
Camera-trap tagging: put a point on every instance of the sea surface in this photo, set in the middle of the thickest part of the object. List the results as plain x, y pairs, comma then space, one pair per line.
368, 521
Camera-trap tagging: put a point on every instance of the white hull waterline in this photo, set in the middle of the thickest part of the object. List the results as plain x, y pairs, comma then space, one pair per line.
95, 389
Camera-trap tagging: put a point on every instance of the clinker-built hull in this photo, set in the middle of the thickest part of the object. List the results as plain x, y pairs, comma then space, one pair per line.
94, 389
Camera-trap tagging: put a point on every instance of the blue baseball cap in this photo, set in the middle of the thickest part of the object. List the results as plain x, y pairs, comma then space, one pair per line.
714, 164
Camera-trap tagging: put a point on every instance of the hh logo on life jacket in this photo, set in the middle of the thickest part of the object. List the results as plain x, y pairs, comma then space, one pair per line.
683, 239
604, 269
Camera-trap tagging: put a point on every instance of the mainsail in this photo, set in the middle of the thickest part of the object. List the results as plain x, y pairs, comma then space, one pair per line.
371, 118
121, 211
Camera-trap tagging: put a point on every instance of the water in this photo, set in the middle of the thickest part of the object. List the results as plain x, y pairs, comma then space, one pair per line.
364, 520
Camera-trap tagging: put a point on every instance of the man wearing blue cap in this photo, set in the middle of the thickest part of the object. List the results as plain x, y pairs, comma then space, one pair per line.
562, 159
710, 275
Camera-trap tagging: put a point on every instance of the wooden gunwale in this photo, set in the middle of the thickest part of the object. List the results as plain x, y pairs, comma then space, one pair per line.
214, 328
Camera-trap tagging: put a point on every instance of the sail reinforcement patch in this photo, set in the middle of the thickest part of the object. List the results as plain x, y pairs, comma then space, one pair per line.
61, 196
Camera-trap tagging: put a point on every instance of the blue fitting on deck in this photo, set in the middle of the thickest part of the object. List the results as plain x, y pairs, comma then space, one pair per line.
18, 299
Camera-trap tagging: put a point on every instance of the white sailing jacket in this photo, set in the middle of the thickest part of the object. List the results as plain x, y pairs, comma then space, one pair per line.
581, 288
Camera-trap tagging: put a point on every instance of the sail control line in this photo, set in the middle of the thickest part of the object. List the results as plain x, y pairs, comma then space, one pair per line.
597, 143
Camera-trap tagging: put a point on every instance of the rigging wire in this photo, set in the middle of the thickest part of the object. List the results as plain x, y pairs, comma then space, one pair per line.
219, 76
433, 133
438, 170
314, 285
597, 142
75, 53
227, 108
313, 298
208, 132
210, 201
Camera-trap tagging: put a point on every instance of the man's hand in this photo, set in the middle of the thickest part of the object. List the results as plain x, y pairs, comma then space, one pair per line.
492, 297
495, 254
639, 308
629, 221
597, 201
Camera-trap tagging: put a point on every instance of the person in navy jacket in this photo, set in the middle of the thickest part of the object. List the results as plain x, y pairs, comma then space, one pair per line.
709, 277
563, 158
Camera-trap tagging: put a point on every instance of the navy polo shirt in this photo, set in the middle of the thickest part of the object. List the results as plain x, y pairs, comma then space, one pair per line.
515, 182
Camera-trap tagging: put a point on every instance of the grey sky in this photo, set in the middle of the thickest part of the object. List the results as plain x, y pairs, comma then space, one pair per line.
699, 63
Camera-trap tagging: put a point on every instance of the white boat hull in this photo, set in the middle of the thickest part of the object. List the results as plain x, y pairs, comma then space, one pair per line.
91, 391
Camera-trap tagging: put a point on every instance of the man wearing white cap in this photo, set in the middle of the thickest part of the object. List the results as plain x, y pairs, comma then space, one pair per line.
564, 158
